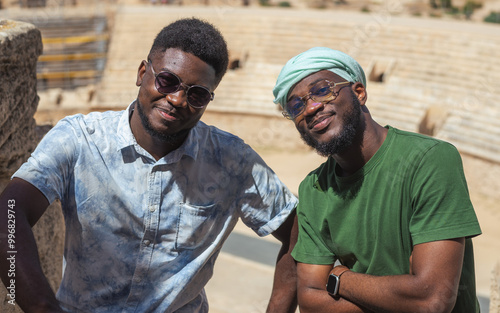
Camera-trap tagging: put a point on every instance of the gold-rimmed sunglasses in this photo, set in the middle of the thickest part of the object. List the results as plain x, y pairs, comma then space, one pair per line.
323, 91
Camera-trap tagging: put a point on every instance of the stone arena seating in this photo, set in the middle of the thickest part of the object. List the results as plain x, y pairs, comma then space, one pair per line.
438, 77
74, 48
415, 66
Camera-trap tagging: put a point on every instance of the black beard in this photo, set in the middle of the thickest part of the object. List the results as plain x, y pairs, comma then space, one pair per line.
351, 124
167, 138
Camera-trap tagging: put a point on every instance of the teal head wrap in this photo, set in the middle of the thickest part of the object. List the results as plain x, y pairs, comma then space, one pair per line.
312, 61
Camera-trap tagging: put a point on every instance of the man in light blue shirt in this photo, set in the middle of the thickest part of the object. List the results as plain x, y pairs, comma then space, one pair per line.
149, 194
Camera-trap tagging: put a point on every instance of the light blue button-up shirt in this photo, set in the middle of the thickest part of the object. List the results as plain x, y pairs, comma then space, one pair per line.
143, 235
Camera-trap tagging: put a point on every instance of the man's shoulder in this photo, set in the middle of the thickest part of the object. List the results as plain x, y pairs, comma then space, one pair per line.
412, 142
420, 151
223, 146
97, 117
93, 121
325, 169
215, 133
413, 136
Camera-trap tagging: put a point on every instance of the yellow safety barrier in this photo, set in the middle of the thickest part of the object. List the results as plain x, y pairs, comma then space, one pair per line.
71, 57
46, 74
69, 74
76, 39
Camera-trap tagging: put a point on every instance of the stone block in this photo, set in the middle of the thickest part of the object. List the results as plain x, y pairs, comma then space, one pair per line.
18, 148
18, 119
20, 46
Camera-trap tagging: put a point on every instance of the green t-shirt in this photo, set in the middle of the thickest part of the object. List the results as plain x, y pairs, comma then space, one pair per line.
412, 191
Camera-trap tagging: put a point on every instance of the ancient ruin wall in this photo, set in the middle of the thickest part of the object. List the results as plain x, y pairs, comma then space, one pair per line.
20, 46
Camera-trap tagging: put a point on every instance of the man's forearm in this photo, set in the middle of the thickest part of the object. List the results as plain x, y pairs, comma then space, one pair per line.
284, 293
399, 293
367, 293
431, 285
20, 268
319, 301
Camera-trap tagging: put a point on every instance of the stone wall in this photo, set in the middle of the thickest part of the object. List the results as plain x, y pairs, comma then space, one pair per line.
20, 46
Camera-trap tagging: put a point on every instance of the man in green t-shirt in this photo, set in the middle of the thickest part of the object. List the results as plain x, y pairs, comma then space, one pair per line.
385, 224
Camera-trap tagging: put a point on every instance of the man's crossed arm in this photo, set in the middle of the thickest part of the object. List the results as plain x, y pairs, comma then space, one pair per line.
430, 286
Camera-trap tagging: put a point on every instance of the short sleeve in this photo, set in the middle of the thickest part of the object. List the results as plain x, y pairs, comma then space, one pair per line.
51, 164
310, 247
265, 202
440, 199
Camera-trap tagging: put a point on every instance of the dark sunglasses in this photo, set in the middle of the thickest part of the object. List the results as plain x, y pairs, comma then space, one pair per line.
323, 92
167, 82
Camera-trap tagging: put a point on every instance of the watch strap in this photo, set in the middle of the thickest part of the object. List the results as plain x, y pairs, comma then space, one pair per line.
337, 288
343, 271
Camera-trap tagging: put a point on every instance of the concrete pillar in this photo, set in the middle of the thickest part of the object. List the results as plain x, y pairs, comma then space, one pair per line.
20, 46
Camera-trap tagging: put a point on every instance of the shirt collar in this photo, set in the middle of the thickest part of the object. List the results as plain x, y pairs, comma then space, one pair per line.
125, 136
189, 147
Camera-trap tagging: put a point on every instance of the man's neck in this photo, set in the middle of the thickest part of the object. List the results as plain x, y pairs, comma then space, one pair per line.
155, 146
358, 154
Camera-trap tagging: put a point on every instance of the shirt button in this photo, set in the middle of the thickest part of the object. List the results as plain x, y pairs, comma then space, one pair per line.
147, 243
152, 209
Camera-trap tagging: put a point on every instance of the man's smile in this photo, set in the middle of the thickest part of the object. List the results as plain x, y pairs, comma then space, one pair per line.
166, 114
321, 122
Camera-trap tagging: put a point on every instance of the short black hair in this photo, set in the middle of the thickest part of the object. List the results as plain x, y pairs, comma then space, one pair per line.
197, 37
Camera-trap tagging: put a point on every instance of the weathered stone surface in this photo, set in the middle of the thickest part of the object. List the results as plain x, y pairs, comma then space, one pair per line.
20, 46
16, 146
18, 119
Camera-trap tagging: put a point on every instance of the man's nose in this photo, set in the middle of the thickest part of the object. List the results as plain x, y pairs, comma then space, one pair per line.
178, 98
312, 107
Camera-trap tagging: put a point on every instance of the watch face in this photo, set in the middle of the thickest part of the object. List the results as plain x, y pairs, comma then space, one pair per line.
333, 285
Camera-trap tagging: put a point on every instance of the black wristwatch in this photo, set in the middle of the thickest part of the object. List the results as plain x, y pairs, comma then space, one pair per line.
333, 283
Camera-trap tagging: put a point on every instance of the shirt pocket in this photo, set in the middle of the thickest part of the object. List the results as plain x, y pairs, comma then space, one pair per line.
196, 227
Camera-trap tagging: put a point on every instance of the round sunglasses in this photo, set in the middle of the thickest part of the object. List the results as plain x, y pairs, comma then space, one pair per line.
167, 82
321, 92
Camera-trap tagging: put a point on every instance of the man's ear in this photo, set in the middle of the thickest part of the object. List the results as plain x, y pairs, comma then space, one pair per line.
360, 91
140, 73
